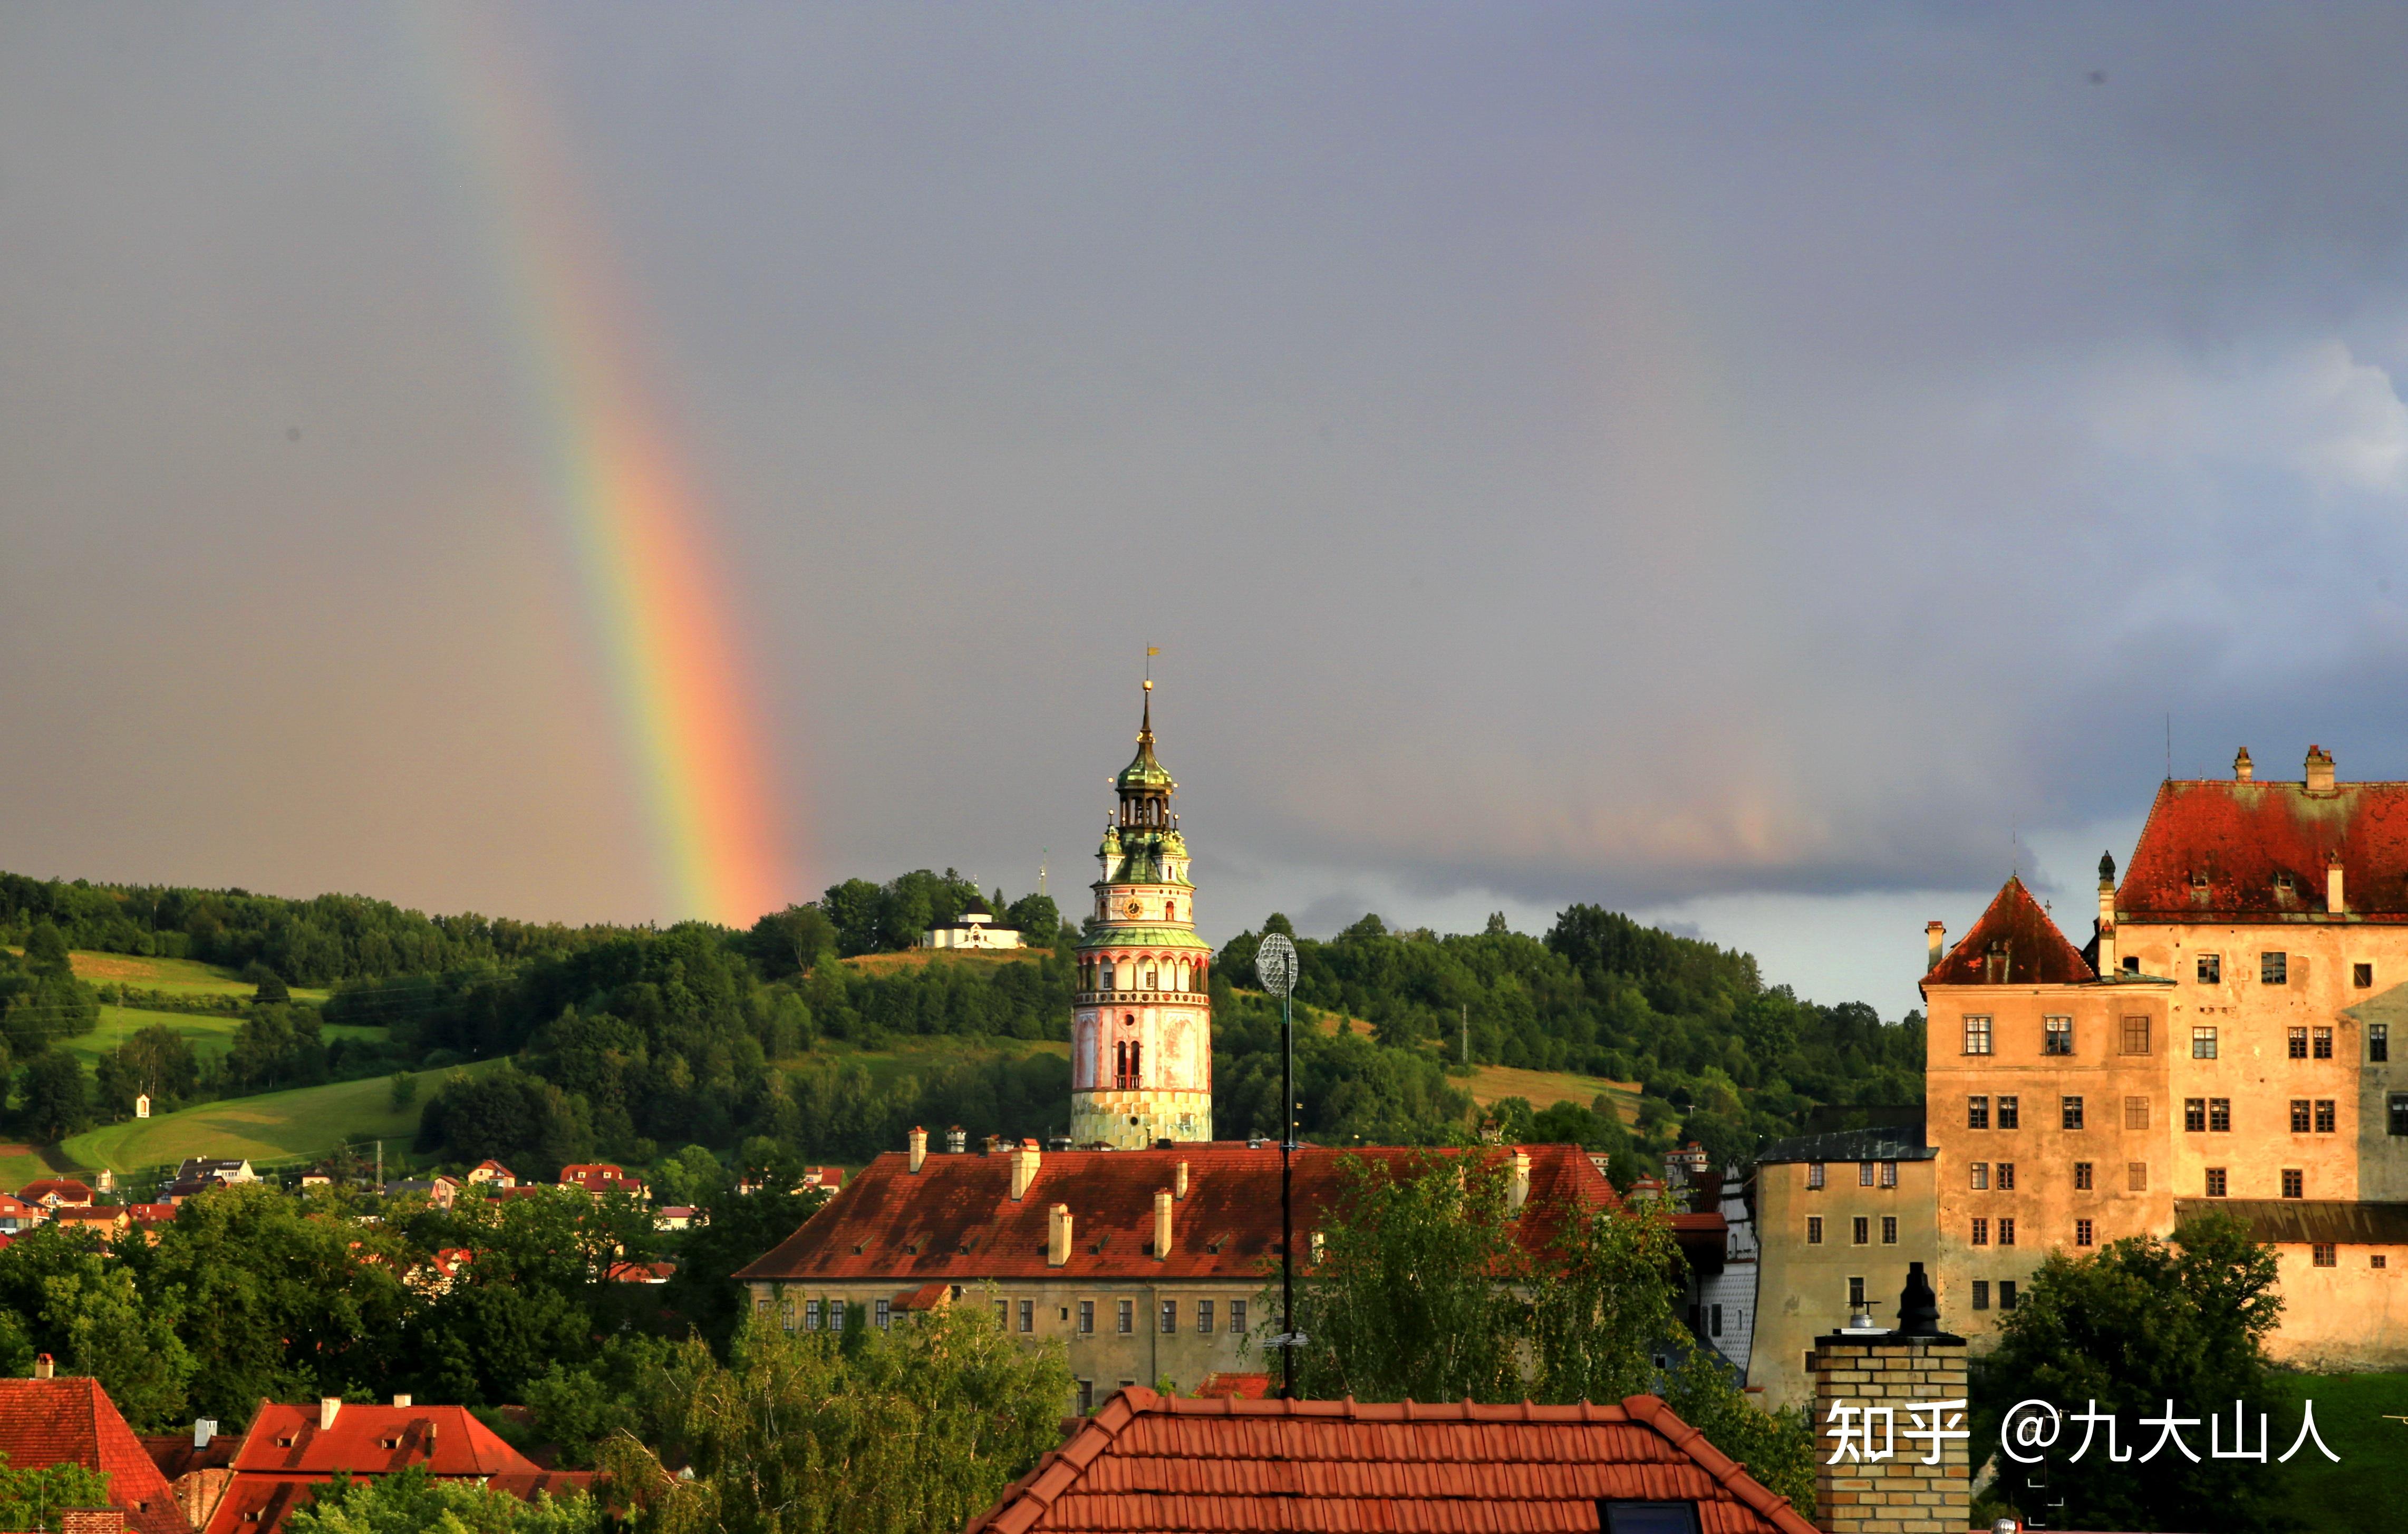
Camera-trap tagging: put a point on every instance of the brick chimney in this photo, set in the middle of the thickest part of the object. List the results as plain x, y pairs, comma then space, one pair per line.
327, 1407
1181, 1185
43, 1367
1935, 943
2106, 914
1517, 1190
2243, 769
2320, 770
1057, 1236
1025, 1158
92, 1521
1891, 1420
2335, 903
918, 1140
1162, 1224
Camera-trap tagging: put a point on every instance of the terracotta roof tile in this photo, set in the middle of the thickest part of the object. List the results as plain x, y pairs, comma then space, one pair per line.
70, 1419
2216, 848
372, 1440
1150, 1465
2032, 951
956, 1218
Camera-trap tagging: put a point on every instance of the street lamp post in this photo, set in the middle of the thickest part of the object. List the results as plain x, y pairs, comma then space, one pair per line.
1275, 966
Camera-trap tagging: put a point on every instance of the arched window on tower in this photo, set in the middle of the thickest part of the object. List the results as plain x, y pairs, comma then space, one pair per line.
1108, 976
1126, 1060
1183, 974
1150, 978
1171, 911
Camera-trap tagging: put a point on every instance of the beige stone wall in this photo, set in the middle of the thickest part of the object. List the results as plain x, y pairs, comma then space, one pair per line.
1135, 1120
2045, 1203
1802, 1290
1106, 1358
1901, 1494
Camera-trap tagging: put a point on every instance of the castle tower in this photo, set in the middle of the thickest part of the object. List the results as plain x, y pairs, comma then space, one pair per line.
1141, 1042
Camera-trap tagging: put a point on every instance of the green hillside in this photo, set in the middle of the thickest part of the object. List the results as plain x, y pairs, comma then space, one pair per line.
176, 977
272, 1126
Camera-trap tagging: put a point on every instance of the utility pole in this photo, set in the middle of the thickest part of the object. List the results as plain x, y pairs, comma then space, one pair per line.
1466, 1033
1275, 966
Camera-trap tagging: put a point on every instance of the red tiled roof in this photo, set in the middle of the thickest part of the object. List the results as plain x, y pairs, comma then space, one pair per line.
1169, 1466
2034, 950
69, 1190
1244, 1387
925, 1297
152, 1214
640, 1272
372, 1440
955, 1218
2240, 836
259, 1504
70, 1419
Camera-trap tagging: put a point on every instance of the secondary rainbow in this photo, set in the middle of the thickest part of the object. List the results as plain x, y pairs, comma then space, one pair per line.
640, 535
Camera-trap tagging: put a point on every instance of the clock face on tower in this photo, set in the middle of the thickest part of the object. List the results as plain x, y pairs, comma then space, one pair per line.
1135, 906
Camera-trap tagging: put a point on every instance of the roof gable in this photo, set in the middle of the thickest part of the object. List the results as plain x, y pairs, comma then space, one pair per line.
374, 1439
1231, 1466
956, 1218
70, 1418
2219, 848
2028, 948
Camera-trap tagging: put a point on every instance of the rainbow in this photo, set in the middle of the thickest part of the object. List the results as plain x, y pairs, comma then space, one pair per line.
640, 536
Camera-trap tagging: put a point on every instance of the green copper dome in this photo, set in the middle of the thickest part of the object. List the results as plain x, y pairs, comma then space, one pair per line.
1143, 771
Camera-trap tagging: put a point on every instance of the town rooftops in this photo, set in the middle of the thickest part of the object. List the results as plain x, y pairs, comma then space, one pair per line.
1889, 1143
373, 1441
56, 1191
2014, 944
70, 1419
1234, 1465
956, 1218
2241, 848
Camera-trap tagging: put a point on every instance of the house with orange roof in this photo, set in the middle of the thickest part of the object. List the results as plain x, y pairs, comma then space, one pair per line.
489, 1172
106, 1221
54, 1419
600, 1176
55, 1193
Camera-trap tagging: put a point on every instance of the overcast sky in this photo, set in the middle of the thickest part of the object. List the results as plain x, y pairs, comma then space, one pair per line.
1772, 469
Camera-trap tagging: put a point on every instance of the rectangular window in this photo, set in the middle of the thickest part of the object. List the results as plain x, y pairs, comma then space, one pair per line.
2202, 1043
2361, 976
2378, 1041
2136, 1113
2326, 1115
2299, 1043
1086, 1318
2378, 1260
1889, 1174
1977, 1112
2323, 1254
1981, 1294
1977, 1036
2215, 1183
2007, 1232
835, 1315
2006, 1177
2136, 1176
2399, 1109
1864, 1174
810, 1315
2056, 1036
2010, 1112
2136, 1036
1237, 1316
2069, 1109
1003, 1313
2219, 1115
1128, 1317
2273, 968
1889, 1231
1814, 1230
1981, 1232
2324, 1044
1086, 1398
1204, 1315
1170, 1316
2299, 1115
1813, 1174
1714, 1321
2295, 1182
2082, 1175
2211, 969
1028, 1315
1981, 1176
2007, 1294
885, 1315
1855, 1294
1862, 1227
2084, 1232
2195, 1115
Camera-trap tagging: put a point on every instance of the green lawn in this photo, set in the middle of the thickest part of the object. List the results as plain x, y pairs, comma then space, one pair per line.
274, 1126
208, 1035
2364, 1491
184, 977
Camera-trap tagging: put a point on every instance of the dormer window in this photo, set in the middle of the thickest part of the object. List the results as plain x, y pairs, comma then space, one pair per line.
2283, 882
2199, 878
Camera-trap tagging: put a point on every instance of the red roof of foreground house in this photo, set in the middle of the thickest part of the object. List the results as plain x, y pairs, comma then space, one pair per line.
373, 1441
70, 1190
1169, 1466
71, 1420
955, 1218
2030, 951
2219, 849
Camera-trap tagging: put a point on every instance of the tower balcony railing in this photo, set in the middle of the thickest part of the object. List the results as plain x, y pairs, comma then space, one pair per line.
1118, 999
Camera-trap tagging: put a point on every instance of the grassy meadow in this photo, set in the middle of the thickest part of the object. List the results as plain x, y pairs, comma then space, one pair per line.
271, 1126
178, 977
2360, 1418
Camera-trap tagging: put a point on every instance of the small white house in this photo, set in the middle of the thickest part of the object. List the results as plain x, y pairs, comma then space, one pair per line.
974, 928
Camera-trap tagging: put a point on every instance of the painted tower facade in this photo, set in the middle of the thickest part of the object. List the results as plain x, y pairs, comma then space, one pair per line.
1141, 1042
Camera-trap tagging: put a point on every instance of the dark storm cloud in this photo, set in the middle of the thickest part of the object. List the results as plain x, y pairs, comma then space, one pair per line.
1651, 457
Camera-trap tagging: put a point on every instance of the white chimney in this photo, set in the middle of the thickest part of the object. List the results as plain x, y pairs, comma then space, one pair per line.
1057, 1236
1162, 1226
327, 1407
2106, 915
2334, 903
918, 1140
1518, 1192
2320, 770
956, 1140
1181, 1184
2243, 769
1935, 939
43, 1367
204, 1429
1024, 1167
400, 1401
